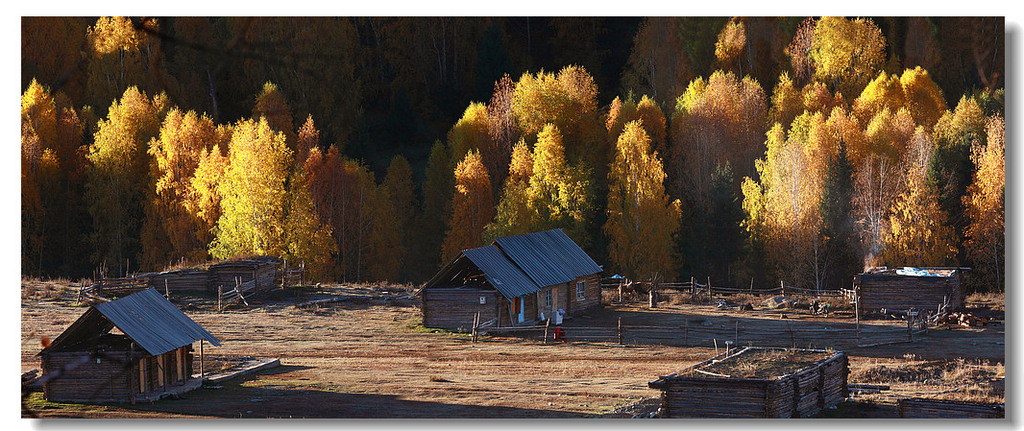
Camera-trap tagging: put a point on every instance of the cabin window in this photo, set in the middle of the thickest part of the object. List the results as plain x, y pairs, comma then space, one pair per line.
547, 300
579, 291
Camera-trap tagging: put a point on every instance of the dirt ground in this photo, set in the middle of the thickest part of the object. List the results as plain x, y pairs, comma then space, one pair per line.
367, 357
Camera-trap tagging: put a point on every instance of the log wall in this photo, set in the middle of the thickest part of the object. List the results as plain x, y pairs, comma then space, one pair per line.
592, 295
455, 309
896, 292
115, 376
800, 394
925, 408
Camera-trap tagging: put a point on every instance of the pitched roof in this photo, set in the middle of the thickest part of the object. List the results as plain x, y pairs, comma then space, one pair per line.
522, 264
501, 272
146, 317
548, 257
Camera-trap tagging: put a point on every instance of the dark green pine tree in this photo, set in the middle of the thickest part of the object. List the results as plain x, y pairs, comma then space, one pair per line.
837, 260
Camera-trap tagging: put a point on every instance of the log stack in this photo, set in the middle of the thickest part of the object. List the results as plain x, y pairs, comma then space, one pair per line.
926, 408
694, 392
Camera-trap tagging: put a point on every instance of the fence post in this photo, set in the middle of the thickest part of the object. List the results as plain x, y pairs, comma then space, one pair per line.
620, 291
620, 331
476, 324
910, 326
783, 285
751, 285
220, 295
693, 286
546, 325
167, 290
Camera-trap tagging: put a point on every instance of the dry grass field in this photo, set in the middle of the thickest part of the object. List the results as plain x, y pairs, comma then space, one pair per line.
368, 357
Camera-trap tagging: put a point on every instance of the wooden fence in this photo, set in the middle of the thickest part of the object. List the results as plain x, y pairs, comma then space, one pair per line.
709, 290
736, 333
228, 297
926, 408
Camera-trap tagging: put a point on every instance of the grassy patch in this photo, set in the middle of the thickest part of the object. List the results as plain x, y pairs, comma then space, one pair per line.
35, 403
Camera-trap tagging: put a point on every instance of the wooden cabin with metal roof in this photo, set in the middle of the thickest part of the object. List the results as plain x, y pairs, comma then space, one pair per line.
150, 358
516, 280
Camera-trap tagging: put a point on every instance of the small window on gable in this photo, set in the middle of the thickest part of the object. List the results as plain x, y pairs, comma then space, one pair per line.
580, 295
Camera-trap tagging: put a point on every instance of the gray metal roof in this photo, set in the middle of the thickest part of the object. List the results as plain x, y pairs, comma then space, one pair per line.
153, 322
548, 257
501, 272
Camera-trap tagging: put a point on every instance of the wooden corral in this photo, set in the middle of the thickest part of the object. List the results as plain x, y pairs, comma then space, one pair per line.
515, 281
253, 276
151, 358
895, 289
226, 274
925, 408
800, 389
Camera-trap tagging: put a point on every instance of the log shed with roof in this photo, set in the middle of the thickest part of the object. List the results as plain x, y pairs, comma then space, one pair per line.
514, 281
149, 359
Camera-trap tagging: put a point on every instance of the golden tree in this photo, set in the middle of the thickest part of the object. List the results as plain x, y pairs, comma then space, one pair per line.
641, 218
170, 231
273, 105
923, 97
119, 177
253, 195
122, 55
514, 216
203, 200
985, 205
310, 241
918, 235
716, 121
845, 53
472, 207
732, 42
471, 133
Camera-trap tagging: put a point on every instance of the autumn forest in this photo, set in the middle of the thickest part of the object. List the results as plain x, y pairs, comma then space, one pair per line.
744, 150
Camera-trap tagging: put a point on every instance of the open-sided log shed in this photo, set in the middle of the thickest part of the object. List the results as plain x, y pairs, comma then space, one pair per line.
906, 288
151, 357
515, 280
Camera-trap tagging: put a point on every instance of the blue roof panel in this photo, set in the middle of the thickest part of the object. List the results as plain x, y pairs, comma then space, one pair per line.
153, 322
501, 272
548, 257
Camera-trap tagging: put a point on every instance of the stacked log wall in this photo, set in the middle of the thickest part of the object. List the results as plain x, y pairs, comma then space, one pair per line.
800, 394
455, 309
109, 380
925, 408
905, 292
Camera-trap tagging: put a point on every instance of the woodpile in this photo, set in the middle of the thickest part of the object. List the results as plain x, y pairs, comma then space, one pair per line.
926, 408
965, 319
696, 392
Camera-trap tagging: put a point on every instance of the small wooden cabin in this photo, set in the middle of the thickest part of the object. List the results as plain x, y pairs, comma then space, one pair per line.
756, 382
906, 288
150, 358
516, 280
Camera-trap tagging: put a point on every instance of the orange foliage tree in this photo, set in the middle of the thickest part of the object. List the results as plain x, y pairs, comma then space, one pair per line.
985, 205
472, 207
641, 218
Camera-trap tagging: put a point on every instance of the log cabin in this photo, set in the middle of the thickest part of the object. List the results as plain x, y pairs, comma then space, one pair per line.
906, 288
148, 358
515, 281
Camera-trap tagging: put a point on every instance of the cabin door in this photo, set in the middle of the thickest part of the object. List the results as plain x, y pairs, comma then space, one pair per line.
519, 307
